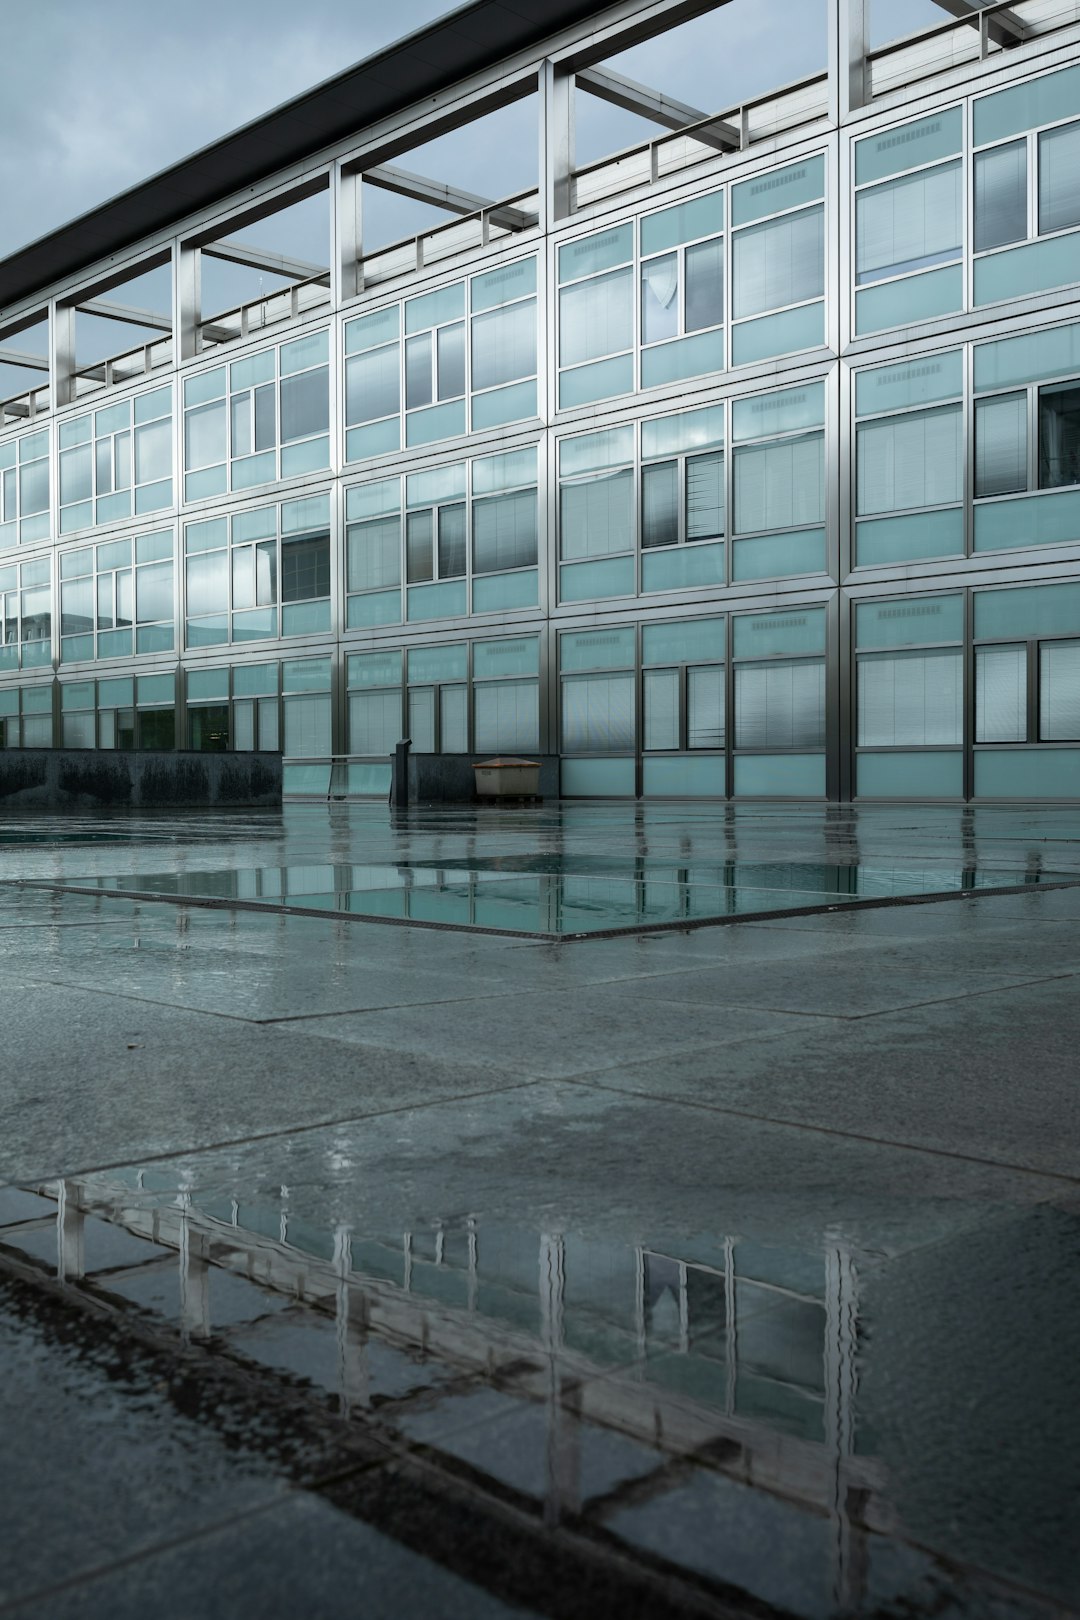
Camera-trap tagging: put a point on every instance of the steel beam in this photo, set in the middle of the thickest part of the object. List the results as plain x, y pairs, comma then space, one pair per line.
124, 313
452, 198
31, 362
1003, 28
279, 264
656, 106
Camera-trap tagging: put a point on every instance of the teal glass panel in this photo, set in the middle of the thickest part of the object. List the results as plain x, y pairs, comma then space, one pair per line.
493, 593
378, 439
210, 631
780, 776
310, 456
591, 452
760, 635
784, 188
76, 647
597, 381
582, 650
686, 357
909, 300
497, 287
302, 516
207, 685
114, 644
441, 484
116, 694
684, 776
1045, 519
304, 618
77, 695
597, 778
905, 539
197, 390
151, 638
912, 382
703, 216
431, 309
257, 368
1028, 773
682, 641
9, 536
368, 781
510, 655
37, 699
676, 568
784, 411
154, 548
255, 680
374, 669
37, 653
444, 600
9, 656
1036, 267
590, 254
304, 352
251, 470
261, 524
435, 422
79, 431
208, 481
787, 333
152, 497
1035, 357
305, 675
1032, 610
115, 554
900, 775
690, 430
112, 507
373, 500
910, 621
772, 556
371, 330
589, 581
940, 135
492, 474
9, 701
1040, 101
307, 781
208, 536
113, 419
427, 665
37, 528
376, 607
81, 516
155, 688
511, 404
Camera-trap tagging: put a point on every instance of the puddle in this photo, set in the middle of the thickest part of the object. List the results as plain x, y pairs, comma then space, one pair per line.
554, 896
737, 1413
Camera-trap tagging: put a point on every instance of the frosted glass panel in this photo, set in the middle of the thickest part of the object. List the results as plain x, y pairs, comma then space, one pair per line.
780, 776
1031, 773
1059, 692
909, 224
1034, 610
782, 262
596, 318
374, 721
1035, 357
1040, 101
782, 188
909, 461
912, 700
781, 485
597, 778
683, 777
597, 516
1031, 269
1001, 694
583, 582
1035, 520
772, 556
795, 329
912, 382
688, 357
910, 776
905, 539
780, 705
682, 567
937, 136
598, 381
496, 593
598, 714
507, 717
909, 621
904, 302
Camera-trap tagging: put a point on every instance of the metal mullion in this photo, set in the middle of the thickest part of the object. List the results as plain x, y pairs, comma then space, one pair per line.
1033, 438
1032, 185
1033, 690
967, 438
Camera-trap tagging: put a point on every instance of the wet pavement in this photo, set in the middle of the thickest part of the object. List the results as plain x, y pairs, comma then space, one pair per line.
351, 1269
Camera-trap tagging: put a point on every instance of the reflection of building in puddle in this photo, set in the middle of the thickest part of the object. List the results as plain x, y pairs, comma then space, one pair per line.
679, 1409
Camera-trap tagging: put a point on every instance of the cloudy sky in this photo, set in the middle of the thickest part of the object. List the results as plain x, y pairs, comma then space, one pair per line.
99, 95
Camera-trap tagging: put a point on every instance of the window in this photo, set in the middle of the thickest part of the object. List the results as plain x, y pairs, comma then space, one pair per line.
1028, 438
375, 697
910, 674
435, 525
683, 685
506, 695
596, 514
24, 490
373, 553
779, 483
260, 573
504, 517
459, 368
26, 717
682, 290
116, 462
909, 463
778, 262
117, 598
682, 496
909, 212
258, 419
438, 698
132, 711
779, 691
598, 709
596, 316
305, 684
26, 615
1027, 664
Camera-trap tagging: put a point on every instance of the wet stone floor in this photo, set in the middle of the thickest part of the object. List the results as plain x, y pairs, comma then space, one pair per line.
688, 1225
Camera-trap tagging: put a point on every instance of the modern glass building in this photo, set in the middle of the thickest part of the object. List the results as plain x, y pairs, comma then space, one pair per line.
744, 462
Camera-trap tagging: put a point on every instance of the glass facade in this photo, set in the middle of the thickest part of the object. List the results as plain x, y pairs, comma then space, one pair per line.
756, 475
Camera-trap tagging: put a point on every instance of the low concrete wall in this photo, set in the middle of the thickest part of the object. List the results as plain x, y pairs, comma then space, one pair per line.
449, 778
85, 778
